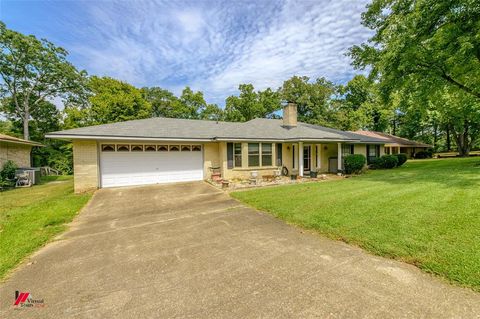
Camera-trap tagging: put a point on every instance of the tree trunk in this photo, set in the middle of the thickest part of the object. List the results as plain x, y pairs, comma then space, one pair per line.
449, 142
463, 141
26, 119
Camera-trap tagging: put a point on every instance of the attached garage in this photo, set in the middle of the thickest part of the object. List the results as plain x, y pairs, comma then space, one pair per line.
143, 164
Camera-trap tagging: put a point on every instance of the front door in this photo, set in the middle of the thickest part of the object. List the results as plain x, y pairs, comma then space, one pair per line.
307, 155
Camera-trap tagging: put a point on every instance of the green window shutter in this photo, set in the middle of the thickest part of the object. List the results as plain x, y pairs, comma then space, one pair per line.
229, 155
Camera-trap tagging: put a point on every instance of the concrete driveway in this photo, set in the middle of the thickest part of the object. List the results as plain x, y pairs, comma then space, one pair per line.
189, 250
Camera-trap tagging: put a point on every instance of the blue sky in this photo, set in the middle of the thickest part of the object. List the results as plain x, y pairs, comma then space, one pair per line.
211, 46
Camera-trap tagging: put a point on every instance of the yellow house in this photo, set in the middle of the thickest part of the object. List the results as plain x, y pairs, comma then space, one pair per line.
164, 150
17, 150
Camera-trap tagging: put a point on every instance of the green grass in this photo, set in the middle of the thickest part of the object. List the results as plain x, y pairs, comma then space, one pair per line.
30, 217
426, 213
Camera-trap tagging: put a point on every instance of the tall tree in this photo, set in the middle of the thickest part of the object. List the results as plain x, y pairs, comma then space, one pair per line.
33, 71
250, 104
431, 48
359, 106
163, 101
313, 99
110, 101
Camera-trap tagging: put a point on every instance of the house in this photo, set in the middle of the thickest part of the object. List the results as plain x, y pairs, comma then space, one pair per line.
17, 150
396, 145
164, 150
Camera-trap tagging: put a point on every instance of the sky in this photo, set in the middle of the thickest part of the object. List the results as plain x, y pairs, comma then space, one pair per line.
211, 46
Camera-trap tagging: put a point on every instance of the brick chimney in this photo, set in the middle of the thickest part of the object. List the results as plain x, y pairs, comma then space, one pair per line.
290, 114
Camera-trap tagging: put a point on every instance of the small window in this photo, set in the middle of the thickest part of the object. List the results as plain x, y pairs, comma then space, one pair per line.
196, 148
266, 154
108, 148
150, 148
137, 148
253, 154
186, 148
174, 148
162, 148
123, 148
238, 154
347, 149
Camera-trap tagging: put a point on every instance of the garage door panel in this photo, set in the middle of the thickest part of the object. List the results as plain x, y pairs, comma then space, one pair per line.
140, 168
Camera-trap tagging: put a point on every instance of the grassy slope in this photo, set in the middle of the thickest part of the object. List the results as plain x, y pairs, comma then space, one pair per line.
426, 213
29, 217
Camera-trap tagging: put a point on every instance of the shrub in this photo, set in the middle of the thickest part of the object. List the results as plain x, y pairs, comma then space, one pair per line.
389, 161
423, 154
8, 170
354, 163
377, 163
402, 158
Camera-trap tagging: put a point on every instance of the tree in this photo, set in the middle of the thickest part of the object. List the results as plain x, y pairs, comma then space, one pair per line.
33, 71
313, 99
359, 107
250, 104
212, 112
427, 51
190, 104
163, 101
109, 101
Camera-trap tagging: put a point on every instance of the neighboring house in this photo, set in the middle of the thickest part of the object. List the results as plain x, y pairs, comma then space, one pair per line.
16, 150
163, 150
395, 144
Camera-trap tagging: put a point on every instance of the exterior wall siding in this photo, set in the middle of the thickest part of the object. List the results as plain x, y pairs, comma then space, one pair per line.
211, 158
85, 165
18, 153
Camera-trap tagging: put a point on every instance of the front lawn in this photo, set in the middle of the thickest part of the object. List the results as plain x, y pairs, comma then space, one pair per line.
29, 217
426, 213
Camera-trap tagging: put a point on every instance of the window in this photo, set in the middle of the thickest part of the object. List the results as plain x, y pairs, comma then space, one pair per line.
237, 154
150, 148
137, 148
373, 151
162, 148
266, 154
347, 149
108, 148
186, 148
174, 148
196, 148
253, 154
279, 154
123, 147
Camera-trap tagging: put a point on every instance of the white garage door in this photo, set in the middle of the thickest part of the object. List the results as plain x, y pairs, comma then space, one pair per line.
170, 164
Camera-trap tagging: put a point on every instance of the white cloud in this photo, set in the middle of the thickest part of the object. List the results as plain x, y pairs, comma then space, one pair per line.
214, 46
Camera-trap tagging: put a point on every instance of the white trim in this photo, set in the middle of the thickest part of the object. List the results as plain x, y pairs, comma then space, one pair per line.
339, 157
300, 159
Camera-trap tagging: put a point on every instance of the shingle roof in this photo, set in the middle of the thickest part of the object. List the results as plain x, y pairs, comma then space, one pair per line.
167, 128
392, 139
16, 140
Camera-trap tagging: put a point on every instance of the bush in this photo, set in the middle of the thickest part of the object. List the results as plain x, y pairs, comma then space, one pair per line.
390, 161
423, 154
8, 170
402, 158
354, 163
377, 163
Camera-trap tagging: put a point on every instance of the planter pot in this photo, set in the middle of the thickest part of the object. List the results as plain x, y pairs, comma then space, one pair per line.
313, 174
293, 177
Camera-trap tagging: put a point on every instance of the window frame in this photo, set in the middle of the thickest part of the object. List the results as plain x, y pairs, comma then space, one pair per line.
269, 154
254, 154
237, 155
112, 146
119, 146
